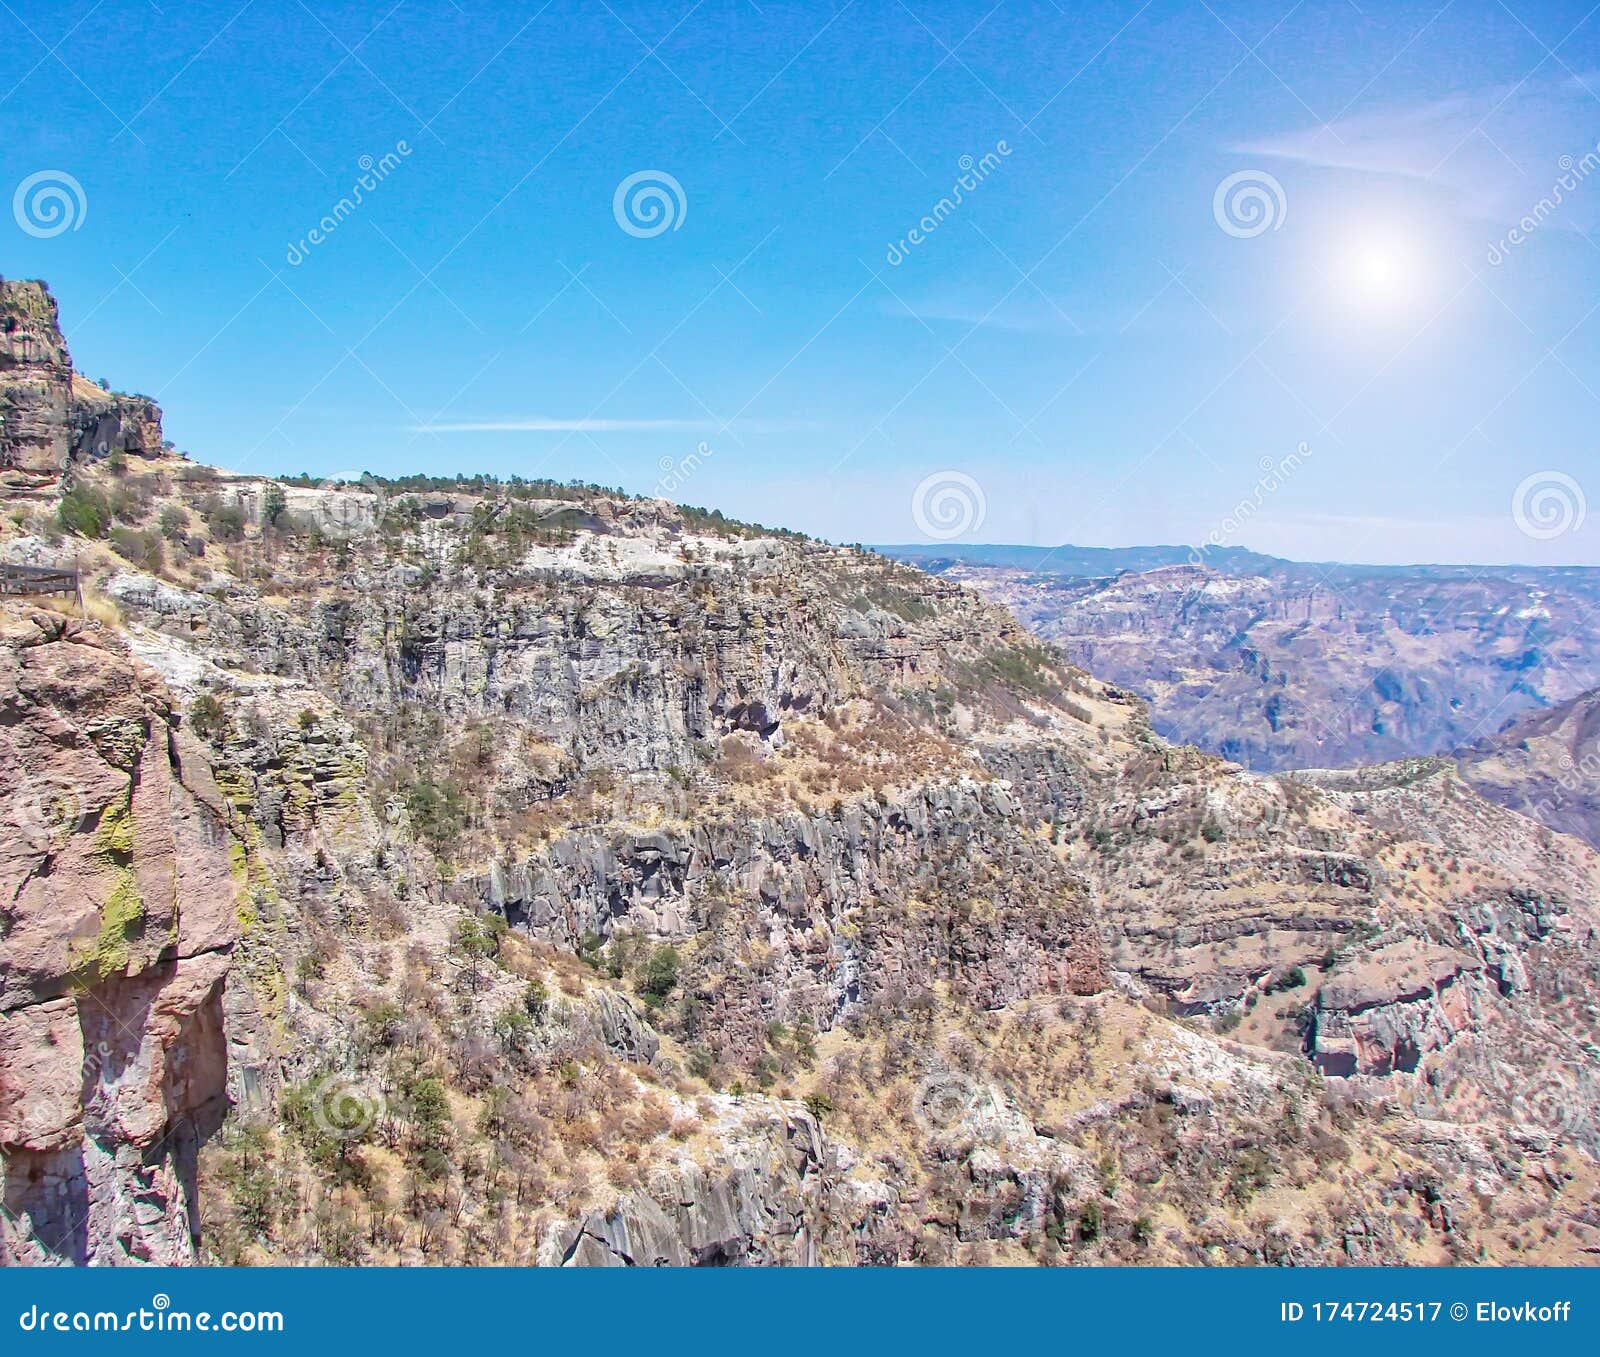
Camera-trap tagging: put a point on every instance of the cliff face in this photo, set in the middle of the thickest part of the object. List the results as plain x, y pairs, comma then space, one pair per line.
627, 647
35, 383
107, 423
51, 417
942, 884
117, 904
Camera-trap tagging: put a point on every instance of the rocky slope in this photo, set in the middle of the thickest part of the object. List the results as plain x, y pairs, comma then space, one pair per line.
1282, 666
522, 873
1546, 765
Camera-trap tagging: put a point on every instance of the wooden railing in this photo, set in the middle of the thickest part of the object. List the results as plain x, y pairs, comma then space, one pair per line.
38, 579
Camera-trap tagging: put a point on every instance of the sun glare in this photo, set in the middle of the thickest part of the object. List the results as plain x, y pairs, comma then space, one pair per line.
1378, 273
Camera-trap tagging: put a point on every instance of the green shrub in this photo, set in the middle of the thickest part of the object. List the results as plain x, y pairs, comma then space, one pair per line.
1091, 1220
226, 521
143, 549
589, 946
428, 1111
173, 522
85, 511
246, 1169
1251, 1172
513, 1027
478, 937
536, 1000
208, 719
660, 975
818, 1104
439, 813
1293, 978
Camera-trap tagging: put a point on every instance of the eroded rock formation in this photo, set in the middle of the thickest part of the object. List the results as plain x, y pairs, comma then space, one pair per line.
116, 895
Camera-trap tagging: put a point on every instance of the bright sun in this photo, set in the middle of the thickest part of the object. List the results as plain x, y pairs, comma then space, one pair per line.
1379, 273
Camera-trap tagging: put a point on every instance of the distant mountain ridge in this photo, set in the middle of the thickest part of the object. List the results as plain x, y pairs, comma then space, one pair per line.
1070, 560
1105, 562
1280, 664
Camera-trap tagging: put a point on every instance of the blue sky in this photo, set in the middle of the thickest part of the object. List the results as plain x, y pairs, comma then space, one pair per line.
1088, 337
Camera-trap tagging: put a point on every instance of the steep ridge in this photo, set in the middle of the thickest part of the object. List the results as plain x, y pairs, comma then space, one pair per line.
606, 883
1546, 765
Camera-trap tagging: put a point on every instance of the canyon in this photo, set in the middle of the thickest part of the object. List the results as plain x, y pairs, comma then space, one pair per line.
1281, 665
464, 871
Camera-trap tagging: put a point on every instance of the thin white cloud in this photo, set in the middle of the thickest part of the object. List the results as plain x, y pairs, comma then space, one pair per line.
1491, 149
541, 424
1410, 142
1024, 316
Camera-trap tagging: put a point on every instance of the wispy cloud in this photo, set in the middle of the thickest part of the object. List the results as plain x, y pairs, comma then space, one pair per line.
1026, 316
1490, 148
542, 424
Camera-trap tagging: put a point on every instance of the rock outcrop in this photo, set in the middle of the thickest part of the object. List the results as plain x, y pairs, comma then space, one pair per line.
107, 424
51, 417
760, 1203
116, 897
35, 385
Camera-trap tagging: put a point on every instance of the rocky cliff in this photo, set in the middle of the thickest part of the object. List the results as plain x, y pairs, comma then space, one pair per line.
116, 902
50, 416
35, 383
